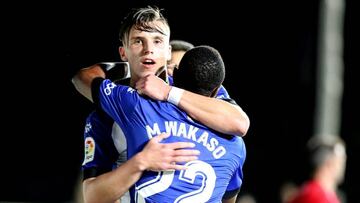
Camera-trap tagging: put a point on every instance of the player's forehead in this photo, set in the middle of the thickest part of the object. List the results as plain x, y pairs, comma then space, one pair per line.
143, 35
157, 26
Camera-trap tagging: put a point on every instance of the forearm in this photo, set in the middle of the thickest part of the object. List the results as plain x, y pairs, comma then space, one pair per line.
84, 77
215, 113
155, 156
109, 187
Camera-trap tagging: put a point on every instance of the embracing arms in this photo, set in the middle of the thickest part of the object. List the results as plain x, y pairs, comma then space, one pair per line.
156, 156
215, 113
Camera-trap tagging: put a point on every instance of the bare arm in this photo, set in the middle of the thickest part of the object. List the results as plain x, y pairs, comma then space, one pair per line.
109, 187
84, 77
214, 113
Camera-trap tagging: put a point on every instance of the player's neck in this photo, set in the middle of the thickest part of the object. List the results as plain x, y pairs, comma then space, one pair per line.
133, 81
326, 181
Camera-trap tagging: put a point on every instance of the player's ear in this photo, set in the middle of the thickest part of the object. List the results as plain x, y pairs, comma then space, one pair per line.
122, 53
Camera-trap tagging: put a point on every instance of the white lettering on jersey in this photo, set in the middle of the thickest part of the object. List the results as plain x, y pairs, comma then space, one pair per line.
171, 126
192, 133
152, 131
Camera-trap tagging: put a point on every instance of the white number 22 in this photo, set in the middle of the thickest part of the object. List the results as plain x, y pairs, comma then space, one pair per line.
165, 178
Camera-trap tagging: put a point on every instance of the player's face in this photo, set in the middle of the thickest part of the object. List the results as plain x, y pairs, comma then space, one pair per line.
340, 162
146, 52
176, 56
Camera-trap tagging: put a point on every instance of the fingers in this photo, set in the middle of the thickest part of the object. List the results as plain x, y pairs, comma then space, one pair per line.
177, 167
139, 86
142, 83
163, 136
182, 156
160, 137
185, 155
170, 155
174, 145
180, 145
172, 166
180, 159
186, 152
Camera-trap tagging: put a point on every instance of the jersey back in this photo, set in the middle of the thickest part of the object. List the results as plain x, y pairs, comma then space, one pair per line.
218, 169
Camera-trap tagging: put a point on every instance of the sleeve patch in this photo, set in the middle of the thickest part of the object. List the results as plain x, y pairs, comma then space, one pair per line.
89, 150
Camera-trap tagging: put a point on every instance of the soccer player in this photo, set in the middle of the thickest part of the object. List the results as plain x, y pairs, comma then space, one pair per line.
145, 45
178, 49
222, 156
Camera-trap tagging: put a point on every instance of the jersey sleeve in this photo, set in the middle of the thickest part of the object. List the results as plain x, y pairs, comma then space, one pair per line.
100, 153
237, 179
118, 101
224, 95
234, 184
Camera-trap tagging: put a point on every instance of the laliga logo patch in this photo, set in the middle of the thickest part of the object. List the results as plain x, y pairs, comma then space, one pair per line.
89, 150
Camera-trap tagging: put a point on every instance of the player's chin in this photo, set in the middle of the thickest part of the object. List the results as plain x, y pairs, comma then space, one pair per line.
151, 71
146, 73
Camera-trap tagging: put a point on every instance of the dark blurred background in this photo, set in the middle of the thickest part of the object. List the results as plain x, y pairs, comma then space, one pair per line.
270, 52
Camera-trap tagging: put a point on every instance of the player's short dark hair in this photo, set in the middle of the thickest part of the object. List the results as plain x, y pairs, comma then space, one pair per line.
180, 45
201, 70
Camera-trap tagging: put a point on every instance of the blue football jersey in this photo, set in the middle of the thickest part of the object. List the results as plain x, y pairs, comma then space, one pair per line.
98, 131
105, 143
105, 147
218, 169
222, 93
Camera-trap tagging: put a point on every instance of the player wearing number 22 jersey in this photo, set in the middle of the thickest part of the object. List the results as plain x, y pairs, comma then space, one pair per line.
217, 171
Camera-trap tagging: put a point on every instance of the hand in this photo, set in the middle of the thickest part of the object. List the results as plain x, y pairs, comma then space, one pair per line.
158, 156
153, 87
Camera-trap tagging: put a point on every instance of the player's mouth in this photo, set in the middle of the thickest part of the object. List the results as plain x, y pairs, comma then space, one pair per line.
148, 63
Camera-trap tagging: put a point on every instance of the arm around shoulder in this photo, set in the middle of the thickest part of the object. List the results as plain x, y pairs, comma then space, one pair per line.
156, 156
84, 77
215, 113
